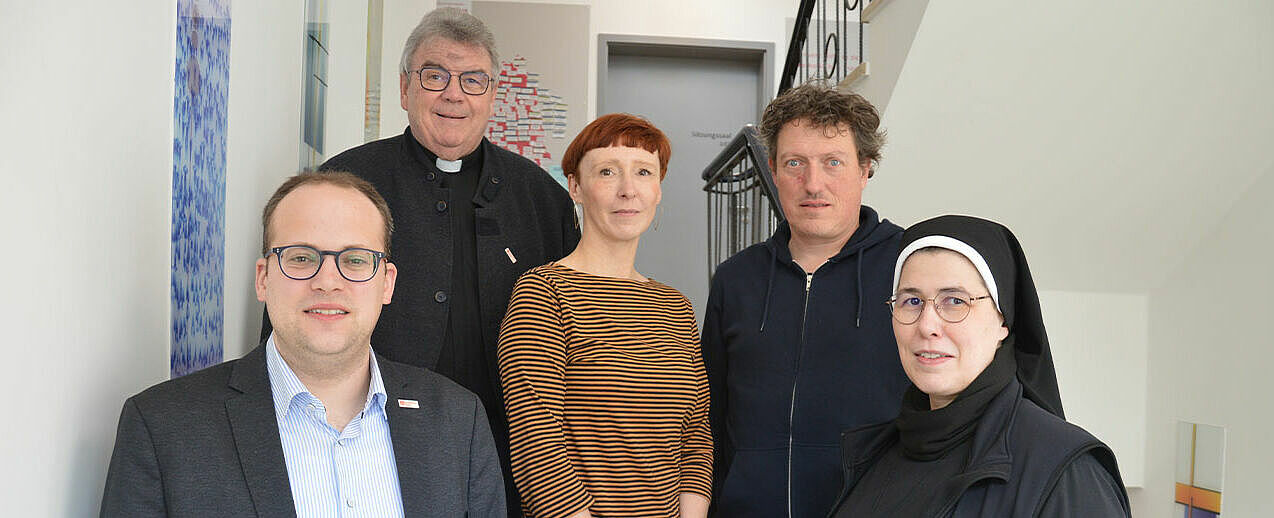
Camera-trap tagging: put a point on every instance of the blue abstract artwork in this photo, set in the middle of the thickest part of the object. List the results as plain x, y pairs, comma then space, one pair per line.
201, 93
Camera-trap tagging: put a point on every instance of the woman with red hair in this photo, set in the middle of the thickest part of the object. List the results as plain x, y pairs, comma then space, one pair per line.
603, 381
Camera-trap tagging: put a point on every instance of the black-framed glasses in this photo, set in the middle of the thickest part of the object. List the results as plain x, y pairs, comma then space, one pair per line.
300, 262
951, 305
435, 79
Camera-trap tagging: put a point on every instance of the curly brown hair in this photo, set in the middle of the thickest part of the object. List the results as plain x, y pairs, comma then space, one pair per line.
828, 108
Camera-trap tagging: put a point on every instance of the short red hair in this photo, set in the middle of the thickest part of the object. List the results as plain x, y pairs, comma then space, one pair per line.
617, 129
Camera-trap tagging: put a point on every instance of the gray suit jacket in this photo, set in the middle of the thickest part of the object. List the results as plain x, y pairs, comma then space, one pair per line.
207, 444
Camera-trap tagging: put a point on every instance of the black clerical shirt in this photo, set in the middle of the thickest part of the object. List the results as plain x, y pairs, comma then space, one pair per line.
463, 359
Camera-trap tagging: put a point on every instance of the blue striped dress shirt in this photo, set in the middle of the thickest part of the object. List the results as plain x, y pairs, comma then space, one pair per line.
346, 473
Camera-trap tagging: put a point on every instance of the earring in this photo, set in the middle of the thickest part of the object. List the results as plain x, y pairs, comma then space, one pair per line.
578, 212
659, 209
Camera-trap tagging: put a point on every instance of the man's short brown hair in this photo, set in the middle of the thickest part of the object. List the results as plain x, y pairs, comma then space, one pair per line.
832, 110
336, 178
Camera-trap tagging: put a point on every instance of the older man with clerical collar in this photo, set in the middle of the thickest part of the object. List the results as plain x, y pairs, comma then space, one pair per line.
313, 422
471, 217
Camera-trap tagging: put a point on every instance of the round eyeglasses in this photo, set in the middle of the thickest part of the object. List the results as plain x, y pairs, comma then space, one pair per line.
951, 305
299, 262
435, 79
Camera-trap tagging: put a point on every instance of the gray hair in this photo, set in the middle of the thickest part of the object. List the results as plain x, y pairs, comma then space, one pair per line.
456, 25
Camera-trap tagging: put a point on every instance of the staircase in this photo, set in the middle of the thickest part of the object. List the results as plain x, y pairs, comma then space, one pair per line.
828, 43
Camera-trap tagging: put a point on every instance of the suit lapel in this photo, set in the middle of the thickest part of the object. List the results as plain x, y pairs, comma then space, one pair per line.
256, 437
410, 430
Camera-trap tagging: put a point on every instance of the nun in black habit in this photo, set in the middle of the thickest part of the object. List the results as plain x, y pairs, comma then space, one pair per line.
981, 430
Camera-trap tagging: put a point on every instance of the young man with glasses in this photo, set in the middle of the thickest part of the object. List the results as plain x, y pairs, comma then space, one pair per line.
471, 217
313, 422
797, 344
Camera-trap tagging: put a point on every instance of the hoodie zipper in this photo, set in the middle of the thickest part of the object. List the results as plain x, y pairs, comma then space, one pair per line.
791, 410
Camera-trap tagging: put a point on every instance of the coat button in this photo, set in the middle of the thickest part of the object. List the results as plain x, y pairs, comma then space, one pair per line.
440, 296
441, 206
495, 179
430, 176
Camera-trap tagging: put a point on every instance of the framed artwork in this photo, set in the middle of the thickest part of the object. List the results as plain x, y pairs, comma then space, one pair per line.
201, 94
375, 44
1200, 473
314, 113
542, 94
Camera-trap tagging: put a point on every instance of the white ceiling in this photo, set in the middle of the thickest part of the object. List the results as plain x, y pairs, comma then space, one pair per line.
1109, 138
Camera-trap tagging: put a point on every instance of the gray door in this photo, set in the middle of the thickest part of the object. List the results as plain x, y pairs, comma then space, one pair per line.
700, 103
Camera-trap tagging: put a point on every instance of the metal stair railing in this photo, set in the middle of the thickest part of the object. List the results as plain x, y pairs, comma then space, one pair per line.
835, 36
743, 206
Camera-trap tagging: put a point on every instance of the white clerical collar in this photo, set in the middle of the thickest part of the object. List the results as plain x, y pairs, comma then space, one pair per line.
448, 166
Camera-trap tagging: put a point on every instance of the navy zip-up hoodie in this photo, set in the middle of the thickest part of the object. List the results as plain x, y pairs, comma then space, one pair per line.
790, 370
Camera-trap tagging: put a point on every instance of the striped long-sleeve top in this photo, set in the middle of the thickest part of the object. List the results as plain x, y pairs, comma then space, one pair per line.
606, 394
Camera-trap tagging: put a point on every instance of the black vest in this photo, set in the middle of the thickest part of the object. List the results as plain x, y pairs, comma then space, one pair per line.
1019, 451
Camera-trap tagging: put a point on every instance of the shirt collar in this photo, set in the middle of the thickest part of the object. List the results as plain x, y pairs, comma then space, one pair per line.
470, 163
376, 391
285, 386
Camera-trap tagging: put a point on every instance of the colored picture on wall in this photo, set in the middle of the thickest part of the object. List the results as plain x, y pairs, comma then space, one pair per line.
542, 95
1200, 472
314, 113
375, 42
527, 116
201, 89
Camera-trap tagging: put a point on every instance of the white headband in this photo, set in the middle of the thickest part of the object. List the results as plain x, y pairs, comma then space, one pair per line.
954, 245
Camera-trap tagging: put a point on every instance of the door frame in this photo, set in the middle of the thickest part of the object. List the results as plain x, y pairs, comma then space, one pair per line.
761, 52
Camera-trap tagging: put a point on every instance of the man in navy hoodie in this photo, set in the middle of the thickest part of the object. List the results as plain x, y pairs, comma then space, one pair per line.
797, 339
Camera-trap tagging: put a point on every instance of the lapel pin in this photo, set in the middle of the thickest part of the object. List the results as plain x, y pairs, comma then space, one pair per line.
408, 403
510, 254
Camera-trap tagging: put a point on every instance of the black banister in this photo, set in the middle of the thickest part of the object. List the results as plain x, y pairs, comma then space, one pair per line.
743, 206
830, 40
746, 145
799, 33
743, 203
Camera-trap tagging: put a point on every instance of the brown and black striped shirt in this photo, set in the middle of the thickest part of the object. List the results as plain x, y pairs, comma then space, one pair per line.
606, 395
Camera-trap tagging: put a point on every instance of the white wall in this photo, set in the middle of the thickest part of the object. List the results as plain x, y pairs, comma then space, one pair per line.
89, 192
347, 69
346, 75
86, 106
888, 39
265, 121
1208, 327
401, 16
262, 146
1099, 343
1108, 133
1127, 146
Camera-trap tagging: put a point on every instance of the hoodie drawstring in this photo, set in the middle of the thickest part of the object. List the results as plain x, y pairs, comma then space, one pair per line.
858, 317
858, 310
769, 286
